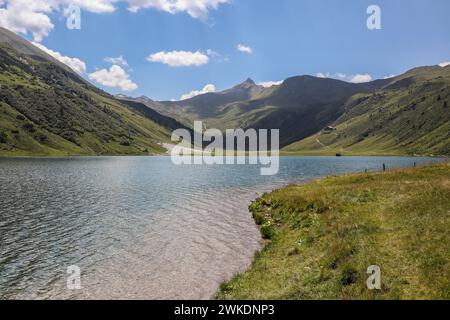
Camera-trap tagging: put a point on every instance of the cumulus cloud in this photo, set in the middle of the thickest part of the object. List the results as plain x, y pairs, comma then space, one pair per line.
179, 58
115, 77
356, 78
23, 16
323, 75
197, 9
206, 89
444, 64
245, 49
389, 76
33, 16
95, 6
75, 64
360, 78
268, 84
120, 60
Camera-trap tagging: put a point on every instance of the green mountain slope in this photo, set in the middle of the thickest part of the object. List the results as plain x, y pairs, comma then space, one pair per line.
47, 109
410, 115
303, 105
299, 107
406, 114
209, 104
216, 109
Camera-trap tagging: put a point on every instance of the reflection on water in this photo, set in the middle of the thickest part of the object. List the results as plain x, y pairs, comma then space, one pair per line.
139, 228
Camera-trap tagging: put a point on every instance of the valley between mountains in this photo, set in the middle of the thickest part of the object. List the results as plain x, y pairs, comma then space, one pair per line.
46, 109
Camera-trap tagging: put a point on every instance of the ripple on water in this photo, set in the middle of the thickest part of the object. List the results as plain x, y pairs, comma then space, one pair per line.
139, 228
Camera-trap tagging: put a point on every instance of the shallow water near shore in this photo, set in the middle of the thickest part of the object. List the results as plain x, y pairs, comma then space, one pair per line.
138, 227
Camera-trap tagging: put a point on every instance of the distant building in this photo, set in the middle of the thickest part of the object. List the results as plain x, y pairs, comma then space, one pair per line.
329, 129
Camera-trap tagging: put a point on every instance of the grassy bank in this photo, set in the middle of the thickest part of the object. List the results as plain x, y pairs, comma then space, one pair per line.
363, 153
322, 237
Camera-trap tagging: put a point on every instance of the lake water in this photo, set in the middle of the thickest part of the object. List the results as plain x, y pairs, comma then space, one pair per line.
138, 227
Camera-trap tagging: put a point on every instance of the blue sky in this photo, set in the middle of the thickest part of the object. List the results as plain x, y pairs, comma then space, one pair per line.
286, 37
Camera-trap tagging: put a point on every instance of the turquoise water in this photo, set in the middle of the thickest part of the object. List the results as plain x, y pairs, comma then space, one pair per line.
138, 227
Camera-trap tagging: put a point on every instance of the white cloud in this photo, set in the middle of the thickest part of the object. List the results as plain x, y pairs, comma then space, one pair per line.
389, 76
212, 53
323, 75
179, 58
245, 49
120, 60
197, 9
268, 84
75, 64
33, 16
217, 56
115, 77
357, 78
206, 89
360, 78
24, 16
444, 64
95, 6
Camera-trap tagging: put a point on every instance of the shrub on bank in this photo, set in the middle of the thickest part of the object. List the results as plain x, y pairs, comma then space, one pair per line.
268, 231
3, 137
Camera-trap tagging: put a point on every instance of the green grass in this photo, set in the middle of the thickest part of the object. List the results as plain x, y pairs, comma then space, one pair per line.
323, 235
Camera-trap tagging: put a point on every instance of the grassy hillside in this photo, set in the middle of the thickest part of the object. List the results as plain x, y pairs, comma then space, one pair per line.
46, 109
325, 234
299, 107
409, 116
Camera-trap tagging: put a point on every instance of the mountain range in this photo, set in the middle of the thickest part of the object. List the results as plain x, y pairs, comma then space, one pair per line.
406, 114
48, 109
